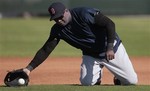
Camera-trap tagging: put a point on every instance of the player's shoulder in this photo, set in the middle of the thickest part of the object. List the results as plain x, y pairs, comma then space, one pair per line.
84, 14
55, 29
84, 10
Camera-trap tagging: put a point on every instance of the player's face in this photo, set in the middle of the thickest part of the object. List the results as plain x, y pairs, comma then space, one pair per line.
65, 19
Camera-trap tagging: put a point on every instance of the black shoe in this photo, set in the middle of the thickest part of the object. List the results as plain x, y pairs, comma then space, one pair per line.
98, 83
117, 81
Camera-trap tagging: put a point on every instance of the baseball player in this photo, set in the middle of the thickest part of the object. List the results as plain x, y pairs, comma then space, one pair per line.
94, 34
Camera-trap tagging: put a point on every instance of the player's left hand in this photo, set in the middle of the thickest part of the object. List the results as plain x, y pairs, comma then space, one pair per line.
12, 78
110, 55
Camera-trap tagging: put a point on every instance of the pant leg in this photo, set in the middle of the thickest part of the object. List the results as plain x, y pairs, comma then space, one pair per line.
91, 71
122, 67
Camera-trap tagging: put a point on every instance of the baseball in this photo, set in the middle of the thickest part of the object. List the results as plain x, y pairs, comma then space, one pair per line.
21, 81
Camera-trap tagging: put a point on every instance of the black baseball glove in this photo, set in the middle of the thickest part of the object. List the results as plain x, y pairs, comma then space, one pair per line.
12, 78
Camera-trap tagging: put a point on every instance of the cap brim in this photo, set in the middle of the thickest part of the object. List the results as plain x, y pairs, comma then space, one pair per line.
56, 16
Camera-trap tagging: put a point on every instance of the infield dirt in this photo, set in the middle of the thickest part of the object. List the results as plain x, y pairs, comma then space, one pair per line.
66, 70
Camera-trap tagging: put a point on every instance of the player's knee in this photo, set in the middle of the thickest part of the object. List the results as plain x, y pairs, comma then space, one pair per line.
86, 82
131, 81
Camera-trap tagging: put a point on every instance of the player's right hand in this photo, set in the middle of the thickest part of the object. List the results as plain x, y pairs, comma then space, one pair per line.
110, 55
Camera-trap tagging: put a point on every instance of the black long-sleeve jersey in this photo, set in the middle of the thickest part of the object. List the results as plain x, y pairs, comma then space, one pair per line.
89, 30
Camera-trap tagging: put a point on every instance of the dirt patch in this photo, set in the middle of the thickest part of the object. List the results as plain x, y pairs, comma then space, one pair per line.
67, 70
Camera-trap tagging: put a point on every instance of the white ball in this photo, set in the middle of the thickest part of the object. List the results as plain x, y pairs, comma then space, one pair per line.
21, 81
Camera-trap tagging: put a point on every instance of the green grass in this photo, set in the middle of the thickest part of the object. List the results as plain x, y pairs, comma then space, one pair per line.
135, 34
76, 88
23, 37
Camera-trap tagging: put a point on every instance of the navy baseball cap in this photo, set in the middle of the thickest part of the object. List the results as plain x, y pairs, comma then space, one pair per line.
56, 10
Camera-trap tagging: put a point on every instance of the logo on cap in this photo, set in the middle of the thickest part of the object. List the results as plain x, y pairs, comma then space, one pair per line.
52, 11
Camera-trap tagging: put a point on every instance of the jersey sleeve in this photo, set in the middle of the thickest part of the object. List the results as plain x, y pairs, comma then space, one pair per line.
45, 51
54, 31
104, 21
